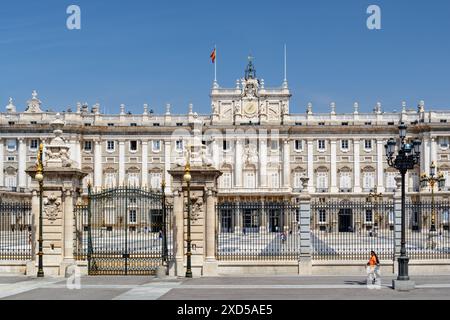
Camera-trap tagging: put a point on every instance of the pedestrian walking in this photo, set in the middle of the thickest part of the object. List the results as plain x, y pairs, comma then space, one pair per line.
373, 267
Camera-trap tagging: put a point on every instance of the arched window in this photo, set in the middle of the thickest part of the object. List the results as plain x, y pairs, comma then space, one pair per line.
155, 179
133, 177
322, 179
110, 178
10, 177
391, 185
445, 170
345, 179
226, 180
299, 173
250, 177
368, 179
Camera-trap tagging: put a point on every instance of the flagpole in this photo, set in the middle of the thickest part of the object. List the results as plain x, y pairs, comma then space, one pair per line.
215, 65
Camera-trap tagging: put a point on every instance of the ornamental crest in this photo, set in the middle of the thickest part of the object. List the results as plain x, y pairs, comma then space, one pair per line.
52, 207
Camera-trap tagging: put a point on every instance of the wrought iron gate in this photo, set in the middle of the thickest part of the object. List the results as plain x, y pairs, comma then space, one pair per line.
125, 231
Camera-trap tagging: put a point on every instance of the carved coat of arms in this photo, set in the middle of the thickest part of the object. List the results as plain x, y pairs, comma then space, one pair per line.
52, 207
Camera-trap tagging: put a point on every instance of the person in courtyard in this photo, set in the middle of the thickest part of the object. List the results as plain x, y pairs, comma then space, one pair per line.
373, 267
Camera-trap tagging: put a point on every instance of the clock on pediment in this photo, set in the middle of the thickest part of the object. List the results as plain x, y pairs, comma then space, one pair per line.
250, 108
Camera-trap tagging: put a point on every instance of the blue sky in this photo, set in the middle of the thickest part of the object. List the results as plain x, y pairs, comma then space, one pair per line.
157, 52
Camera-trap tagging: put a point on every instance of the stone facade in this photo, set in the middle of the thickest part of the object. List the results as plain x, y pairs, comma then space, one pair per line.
251, 135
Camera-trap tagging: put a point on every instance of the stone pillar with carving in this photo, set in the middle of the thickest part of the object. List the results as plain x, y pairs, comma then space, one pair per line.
203, 190
61, 190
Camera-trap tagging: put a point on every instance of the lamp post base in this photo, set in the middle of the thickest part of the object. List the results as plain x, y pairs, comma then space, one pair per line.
403, 269
402, 285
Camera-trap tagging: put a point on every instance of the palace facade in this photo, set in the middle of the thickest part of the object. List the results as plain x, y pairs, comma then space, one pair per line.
263, 149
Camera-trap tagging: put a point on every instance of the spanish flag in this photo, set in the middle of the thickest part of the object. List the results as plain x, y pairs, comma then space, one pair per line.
213, 56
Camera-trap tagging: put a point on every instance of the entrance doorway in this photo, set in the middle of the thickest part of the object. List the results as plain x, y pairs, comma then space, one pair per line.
345, 220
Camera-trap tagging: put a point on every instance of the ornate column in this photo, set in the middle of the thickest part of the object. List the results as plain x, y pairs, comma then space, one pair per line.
215, 154
68, 195
426, 151
433, 150
98, 165
22, 163
178, 230
263, 158
380, 167
210, 266
334, 186
310, 166
286, 163
144, 166
2, 161
122, 163
357, 166
238, 163
167, 165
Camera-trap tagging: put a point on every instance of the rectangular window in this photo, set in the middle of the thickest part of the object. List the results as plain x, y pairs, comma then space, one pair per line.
11, 144
322, 181
133, 216
275, 180
298, 180
226, 145
156, 180
179, 145
133, 124
369, 181
369, 216
133, 145
225, 181
274, 145
156, 145
322, 216
368, 123
11, 159
443, 143
88, 146
179, 124
110, 124
298, 145
250, 180
344, 144
34, 144
110, 146
321, 144
33, 122
368, 144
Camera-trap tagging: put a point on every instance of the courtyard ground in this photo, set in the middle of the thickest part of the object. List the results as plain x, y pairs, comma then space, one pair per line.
219, 288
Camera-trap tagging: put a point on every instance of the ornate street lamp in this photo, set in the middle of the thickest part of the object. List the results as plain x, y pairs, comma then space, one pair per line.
187, 178
407, 158
432, 180
40, 178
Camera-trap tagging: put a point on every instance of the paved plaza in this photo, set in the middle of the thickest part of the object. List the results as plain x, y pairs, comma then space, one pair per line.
219, 288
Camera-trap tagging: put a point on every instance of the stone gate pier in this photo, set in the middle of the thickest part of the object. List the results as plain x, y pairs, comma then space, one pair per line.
203, 189
61, 190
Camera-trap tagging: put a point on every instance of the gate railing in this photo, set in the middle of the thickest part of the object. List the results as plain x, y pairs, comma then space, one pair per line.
124, 230
81, 229
350, 230
257, 231
16, 231
421, 241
